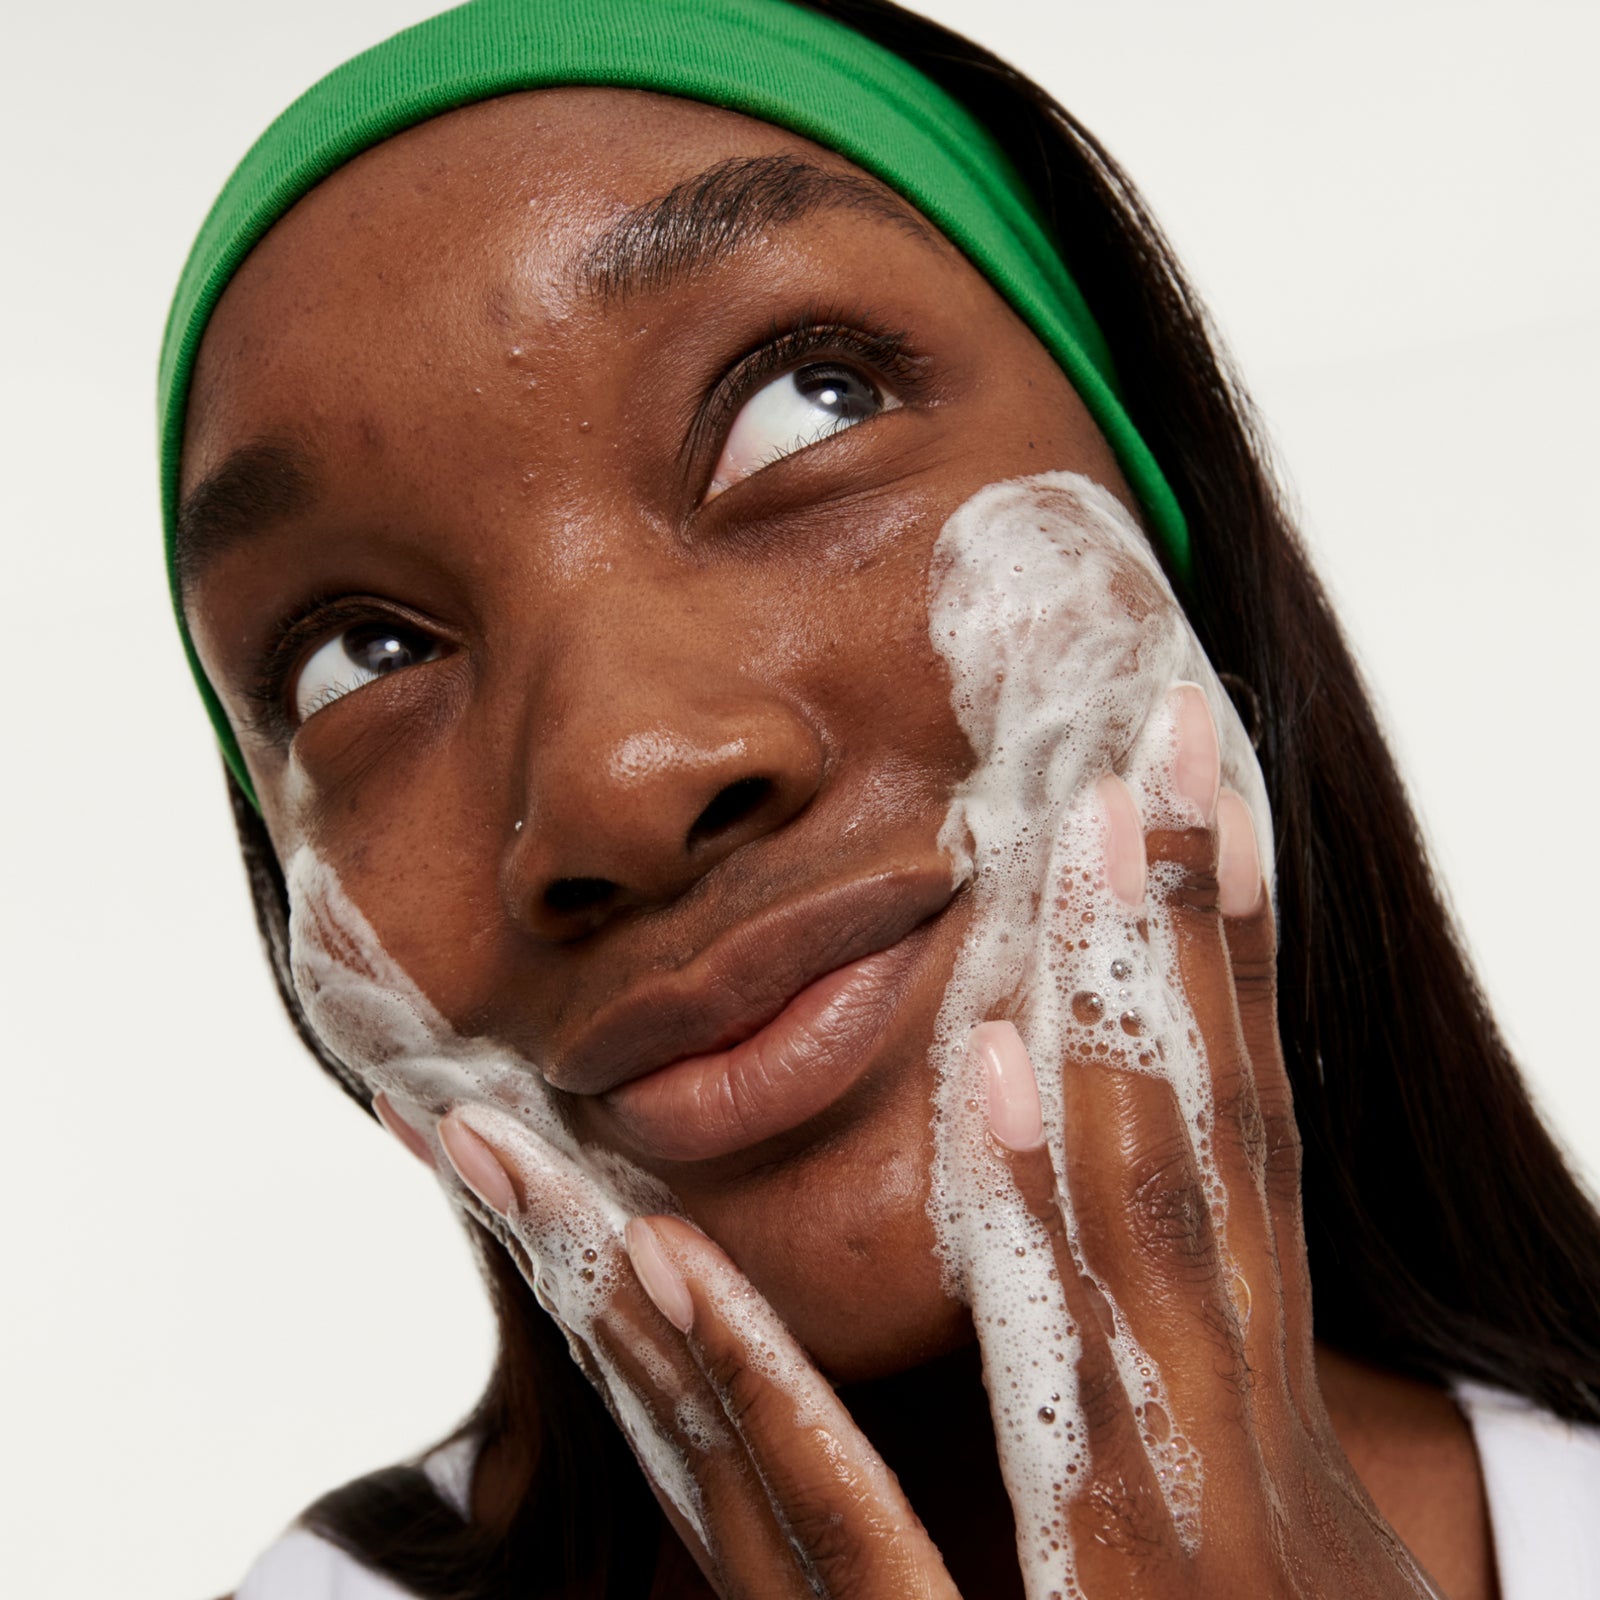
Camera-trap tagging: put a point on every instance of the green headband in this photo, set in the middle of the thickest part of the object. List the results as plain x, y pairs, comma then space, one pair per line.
767, 58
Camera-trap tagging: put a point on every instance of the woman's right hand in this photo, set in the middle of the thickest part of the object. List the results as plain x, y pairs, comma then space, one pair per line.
754, 1460
1198, 1264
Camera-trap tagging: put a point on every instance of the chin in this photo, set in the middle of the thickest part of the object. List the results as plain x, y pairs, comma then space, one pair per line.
839, 1241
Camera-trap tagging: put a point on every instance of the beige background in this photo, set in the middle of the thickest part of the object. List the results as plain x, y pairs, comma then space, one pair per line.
224, 1293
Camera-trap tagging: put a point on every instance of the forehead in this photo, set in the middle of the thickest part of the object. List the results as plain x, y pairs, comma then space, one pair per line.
483, 214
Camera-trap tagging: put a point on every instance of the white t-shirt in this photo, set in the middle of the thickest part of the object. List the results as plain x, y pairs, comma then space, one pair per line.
303, 1566
1541, 1477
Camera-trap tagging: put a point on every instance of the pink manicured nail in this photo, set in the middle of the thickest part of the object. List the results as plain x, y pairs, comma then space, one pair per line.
1197, 760
1013, 1090
661, 1280
477, 1165
402, 1130
1126, 865
1238, 860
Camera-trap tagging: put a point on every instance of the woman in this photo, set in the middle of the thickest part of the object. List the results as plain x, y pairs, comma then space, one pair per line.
620, 435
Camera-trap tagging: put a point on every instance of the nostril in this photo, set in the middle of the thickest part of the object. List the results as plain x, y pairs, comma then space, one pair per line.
568, 897
733, 805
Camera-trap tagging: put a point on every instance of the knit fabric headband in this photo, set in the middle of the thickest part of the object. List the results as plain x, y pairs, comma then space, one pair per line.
766, 58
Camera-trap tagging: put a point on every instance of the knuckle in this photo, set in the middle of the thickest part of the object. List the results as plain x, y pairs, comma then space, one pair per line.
1121, 1514
1183, 865
1254, 983
759, 1413
729, 1375
829, 1556
1240, 1121
1169, 1216
1220, 1323
1282, 1156
1101, 1398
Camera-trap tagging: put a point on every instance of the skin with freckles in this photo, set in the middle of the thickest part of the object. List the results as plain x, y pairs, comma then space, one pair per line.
654, 687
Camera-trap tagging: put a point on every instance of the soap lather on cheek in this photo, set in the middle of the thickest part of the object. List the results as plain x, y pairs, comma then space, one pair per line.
370, 1013
1062, 640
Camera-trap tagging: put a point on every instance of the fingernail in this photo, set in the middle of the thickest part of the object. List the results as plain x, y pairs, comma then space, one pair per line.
1196, 760
660, 1279
1125, 858
402, 1130
1238, 860
477, 1165
1014, 1113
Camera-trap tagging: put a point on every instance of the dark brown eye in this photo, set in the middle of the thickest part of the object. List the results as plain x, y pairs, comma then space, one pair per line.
353, 658
801, 408
839, 393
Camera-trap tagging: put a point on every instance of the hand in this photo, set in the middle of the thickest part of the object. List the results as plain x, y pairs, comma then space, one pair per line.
1180, 1236
753, 1459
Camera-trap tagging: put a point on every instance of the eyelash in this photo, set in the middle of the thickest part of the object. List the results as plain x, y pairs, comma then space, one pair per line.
312, 623
882, 351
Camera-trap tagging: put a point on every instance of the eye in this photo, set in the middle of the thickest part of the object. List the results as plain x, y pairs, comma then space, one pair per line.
354, 658
801, 408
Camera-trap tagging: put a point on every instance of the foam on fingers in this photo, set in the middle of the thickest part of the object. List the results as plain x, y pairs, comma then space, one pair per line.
1092, 711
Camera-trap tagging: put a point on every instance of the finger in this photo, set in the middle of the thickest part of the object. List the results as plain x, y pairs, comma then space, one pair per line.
1181, 1134
1144, 1200
1145, 1233
736, 1540
1252, 957
1109, 1497
846, 1519
386, 1113
1229, 1134
563, 1232
1190, 866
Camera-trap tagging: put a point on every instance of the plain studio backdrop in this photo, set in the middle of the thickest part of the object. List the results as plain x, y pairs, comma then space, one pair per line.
225, 1291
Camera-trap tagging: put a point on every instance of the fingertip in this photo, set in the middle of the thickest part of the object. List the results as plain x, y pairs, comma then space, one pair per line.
477, 1165
1126, 864
657, 1276
1015, 1117
1239, 883
383, 1109
1197, 755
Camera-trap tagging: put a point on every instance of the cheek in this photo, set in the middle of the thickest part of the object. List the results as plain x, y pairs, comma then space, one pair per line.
397, 903
864, 654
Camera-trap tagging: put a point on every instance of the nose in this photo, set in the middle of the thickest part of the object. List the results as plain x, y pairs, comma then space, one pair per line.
643, 788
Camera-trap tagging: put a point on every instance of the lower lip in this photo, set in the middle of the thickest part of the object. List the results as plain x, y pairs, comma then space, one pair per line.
797, 1066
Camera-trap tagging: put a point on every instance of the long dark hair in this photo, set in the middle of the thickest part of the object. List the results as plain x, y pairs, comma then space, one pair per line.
1447, 1236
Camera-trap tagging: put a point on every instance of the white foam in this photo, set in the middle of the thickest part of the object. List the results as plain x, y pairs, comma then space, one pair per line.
1063, 641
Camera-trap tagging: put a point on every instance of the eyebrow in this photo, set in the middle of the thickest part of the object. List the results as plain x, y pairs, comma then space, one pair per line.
721, 210
695, 224
256, 485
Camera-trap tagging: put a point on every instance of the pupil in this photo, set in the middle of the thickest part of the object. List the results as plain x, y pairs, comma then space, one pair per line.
377, 651
845, 394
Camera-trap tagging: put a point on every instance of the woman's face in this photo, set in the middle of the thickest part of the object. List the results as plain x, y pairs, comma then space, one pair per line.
562, 477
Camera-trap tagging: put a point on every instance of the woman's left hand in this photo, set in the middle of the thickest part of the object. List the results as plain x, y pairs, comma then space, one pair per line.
751, 1455
1213, 1286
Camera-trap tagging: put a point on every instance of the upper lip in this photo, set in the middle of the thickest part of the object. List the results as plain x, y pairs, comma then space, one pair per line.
743, 980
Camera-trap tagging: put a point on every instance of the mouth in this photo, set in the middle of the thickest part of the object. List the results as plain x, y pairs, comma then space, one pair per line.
769, 1027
